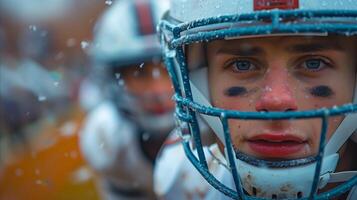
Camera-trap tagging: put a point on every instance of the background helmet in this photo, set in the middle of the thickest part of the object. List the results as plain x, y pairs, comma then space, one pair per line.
191, 24
125, 37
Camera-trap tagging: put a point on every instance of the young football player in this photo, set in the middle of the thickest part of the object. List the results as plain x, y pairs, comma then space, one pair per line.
276, 83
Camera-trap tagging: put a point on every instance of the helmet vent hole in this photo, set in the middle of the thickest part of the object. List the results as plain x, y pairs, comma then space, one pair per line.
274, 196
254, 191
299, 195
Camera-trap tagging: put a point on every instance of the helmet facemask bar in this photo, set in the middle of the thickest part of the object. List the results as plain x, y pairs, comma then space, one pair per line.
187, 107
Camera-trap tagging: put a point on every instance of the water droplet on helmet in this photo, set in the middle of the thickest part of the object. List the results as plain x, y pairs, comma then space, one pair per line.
84, 45
33, 28
145, 136
42, 98
171, 53
108, 2
117, 75
121, 82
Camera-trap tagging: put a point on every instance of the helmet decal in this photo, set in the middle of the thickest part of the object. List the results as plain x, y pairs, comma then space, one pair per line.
273, 4
144, 13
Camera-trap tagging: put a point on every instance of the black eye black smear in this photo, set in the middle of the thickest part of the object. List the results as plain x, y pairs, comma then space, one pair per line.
236, 91
321, 91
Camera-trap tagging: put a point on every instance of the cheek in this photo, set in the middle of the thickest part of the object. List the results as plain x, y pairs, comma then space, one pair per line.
333, 124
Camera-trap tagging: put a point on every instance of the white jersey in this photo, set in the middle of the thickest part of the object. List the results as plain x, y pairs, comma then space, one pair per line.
111, 146
176, 178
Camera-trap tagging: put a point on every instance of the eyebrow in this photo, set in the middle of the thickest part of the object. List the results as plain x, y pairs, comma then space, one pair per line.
242, 51
313, 47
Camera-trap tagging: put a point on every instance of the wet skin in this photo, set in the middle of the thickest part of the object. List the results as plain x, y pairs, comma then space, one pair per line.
281, 74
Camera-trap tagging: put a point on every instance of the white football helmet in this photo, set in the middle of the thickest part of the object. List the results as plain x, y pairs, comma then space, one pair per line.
189, 24
125, 37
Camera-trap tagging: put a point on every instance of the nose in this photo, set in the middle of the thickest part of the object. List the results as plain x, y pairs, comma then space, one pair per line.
160, 85
277, 94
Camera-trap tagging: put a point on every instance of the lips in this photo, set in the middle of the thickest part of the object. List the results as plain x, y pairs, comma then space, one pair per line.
158, 110
276, 145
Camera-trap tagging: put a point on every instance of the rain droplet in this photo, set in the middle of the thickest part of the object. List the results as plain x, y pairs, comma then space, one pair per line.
186, 137
108, 2
84, 45
146, 136
68, 129
141, 65
19, 172
42, 98
268, 89
117, 75
156, 73
71, 42
33, 28
121, 82
171, 53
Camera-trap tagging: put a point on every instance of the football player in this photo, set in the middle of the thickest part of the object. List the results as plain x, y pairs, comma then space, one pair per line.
276, 83
124, 132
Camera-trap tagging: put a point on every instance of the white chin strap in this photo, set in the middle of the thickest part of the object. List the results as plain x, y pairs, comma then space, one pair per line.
291, 182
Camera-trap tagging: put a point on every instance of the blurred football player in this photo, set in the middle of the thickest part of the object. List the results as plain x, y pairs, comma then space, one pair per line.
124, 132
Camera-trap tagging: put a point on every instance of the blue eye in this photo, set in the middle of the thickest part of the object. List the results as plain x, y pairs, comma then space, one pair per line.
314, 64
242, 66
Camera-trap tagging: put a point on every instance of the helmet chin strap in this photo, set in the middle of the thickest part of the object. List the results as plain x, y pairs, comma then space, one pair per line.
298, 178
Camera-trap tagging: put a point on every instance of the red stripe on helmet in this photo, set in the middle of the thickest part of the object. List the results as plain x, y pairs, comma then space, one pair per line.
273, 4
145, 18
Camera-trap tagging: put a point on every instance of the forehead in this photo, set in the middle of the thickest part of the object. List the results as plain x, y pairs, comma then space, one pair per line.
291, 43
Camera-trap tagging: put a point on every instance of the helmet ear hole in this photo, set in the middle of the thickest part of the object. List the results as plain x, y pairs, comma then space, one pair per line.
299, 195
254, 190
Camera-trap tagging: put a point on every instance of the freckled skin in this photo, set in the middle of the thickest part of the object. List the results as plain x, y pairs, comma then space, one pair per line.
281, 81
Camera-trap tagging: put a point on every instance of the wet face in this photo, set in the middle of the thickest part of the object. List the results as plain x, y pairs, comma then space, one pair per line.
281, 74
150, 85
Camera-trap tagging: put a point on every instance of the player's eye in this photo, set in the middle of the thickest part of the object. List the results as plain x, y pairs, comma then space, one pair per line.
242, 66
314, 64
